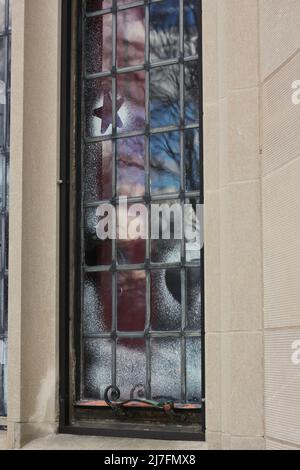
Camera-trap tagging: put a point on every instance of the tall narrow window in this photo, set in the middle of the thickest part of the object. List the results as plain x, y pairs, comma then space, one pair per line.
138, 302
5, 42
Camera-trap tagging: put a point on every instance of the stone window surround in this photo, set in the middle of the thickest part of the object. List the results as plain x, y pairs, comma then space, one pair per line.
233, 343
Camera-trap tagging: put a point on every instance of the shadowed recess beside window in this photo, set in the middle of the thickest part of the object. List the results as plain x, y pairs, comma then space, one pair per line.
5, 45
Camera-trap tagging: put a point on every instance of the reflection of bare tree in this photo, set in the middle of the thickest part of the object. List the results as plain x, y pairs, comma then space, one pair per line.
165, 161
164, 29
164, 92
192, 160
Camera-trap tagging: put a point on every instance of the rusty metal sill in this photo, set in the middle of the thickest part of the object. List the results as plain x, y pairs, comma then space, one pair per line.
133, 404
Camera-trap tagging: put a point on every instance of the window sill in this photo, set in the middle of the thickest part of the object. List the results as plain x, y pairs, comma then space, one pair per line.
72, 442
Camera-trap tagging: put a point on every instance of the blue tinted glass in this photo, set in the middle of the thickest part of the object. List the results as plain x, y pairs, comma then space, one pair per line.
192, 92
164, 96
164, 30
165, 163
191, 27
192, 160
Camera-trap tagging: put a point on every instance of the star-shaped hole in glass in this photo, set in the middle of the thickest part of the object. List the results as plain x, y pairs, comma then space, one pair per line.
105, 112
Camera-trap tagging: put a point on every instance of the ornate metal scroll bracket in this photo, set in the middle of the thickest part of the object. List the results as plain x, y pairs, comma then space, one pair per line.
120, 408
112, 398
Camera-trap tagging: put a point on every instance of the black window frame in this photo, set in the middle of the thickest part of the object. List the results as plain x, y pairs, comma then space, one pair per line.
69, 139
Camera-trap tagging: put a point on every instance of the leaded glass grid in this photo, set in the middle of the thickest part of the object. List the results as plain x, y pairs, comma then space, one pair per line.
5, 46
140, 301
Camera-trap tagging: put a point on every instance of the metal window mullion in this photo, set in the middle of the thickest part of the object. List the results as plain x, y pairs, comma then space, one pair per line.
159, 130
115, 183
182, 187
141, 267
140, 199
137, 68
82, 234
141, 334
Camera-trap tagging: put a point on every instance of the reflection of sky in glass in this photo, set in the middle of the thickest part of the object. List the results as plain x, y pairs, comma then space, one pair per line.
164, 30
165, 163
131, 90
164, 96
191, 21
191, 92
131, 37
192, 160
131, 167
